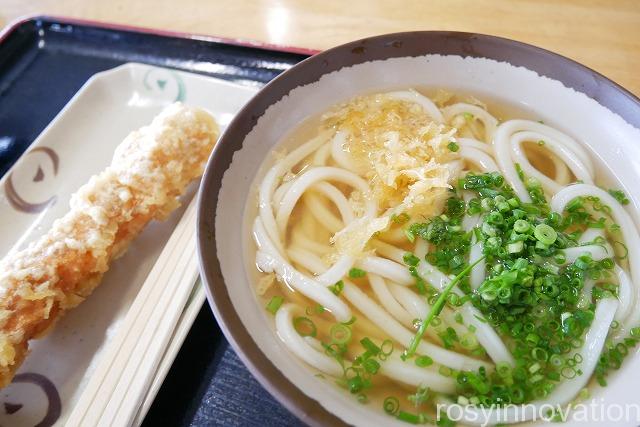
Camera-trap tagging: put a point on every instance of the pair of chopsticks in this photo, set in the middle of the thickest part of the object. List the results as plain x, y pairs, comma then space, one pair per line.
187, 318
118, 386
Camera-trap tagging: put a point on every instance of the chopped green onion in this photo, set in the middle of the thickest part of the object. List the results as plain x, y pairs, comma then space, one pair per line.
274, 304
409, 235
503, 369
488, 229
532, 338
305, 327
340, 334
336, 351
356, 384
624, 248
317, 309
458, 318
536, 378
391, 405
371, 366
560, 258
530, 294
583, 395
619, 196
350, 321
410, 259
533, 183
568, 372
421, 396
469, 341
503, 206
370, 346
423, 361
521, 226
356, 273
514, 248
615, 324
408, 417
386, 347
486, 204
337, 288
539, 354
445, 371
556, 361
545, 234
437, 308
452, 146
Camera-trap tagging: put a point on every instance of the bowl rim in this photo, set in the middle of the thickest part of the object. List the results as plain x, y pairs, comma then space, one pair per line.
404, 44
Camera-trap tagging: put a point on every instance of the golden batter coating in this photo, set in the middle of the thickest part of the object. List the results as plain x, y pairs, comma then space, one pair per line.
150, 170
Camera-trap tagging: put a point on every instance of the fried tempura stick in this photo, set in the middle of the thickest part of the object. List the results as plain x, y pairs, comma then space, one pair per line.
149, 171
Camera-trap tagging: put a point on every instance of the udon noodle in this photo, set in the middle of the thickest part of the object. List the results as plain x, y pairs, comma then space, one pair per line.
418, 251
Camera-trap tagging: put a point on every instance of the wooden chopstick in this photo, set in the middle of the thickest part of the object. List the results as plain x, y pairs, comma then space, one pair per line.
194, 304
125, 372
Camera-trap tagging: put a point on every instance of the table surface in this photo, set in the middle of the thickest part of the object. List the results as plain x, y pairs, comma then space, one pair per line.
602, 34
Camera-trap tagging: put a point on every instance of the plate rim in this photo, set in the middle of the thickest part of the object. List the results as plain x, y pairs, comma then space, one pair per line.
394, 45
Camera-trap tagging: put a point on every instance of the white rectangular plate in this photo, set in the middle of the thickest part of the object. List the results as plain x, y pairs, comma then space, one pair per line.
77, 144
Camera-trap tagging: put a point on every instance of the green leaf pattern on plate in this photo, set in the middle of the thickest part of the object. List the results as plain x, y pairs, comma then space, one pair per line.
165, 82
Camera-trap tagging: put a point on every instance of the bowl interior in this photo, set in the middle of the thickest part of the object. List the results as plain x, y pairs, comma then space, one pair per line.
225, 243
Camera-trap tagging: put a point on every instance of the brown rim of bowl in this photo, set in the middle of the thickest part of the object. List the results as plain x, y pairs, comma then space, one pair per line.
549, 64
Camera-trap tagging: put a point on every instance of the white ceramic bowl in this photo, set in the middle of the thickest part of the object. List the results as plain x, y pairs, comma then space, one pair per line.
559, 91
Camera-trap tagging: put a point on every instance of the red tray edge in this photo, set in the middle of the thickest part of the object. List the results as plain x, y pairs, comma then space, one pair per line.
13, 25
